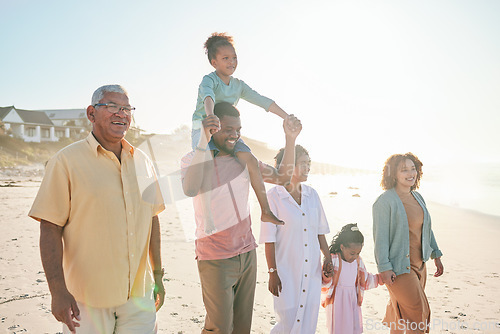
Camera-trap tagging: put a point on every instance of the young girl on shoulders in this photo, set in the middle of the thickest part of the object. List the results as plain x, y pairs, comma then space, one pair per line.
221, 86
344, 284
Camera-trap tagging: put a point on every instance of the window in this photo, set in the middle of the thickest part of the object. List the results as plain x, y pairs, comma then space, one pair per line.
30, 132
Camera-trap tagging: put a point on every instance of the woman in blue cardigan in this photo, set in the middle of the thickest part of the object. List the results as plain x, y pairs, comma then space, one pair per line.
404, 241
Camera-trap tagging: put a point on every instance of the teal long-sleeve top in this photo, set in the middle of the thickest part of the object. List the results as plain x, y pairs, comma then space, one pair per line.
211, 85
391, 233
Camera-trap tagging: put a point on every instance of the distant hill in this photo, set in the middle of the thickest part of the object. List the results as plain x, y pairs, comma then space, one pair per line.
261, 150
15, 152
167, 150
266, 154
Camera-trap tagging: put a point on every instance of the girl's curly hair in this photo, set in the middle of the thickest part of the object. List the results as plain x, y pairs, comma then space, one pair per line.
391, 166
349, 234
299, 150
216, 40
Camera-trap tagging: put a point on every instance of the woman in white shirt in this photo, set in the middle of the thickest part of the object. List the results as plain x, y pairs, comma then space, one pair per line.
293, 250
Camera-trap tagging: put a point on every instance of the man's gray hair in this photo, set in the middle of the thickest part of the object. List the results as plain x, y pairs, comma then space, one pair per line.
99, 93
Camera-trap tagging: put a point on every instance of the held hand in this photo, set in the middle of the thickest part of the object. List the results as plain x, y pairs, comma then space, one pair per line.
65, 310
379, 279
388, 277
292, 126
274, 284
211, 125
159, 294
325, 279
439, 267
328, 268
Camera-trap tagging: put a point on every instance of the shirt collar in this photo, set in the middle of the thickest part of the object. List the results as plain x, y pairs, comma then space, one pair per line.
306, 190
230, 78
283, 193
95, 145
213, 147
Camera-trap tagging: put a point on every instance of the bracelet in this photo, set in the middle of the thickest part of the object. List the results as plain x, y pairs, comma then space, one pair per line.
159, 272
200, 149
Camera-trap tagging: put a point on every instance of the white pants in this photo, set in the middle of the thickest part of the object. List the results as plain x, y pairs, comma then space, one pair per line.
136, 316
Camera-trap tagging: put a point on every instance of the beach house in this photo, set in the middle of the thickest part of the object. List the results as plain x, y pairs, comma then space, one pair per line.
44, 125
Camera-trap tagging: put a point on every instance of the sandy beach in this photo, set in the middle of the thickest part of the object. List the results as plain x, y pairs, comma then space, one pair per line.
464, 300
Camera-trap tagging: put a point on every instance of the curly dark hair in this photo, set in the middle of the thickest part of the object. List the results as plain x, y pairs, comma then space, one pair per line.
349, 234
216, 40
299, 150
391, 166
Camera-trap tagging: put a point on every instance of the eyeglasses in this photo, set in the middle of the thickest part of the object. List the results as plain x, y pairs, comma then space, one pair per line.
114, 108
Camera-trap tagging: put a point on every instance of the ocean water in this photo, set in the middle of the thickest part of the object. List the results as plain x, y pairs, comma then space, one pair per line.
348, 197
473, 187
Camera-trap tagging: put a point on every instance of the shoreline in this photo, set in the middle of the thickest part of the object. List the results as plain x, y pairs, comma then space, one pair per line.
36, 170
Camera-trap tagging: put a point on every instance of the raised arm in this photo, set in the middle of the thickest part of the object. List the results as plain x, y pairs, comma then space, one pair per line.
64, 307
275, 109
202, 160
283, 173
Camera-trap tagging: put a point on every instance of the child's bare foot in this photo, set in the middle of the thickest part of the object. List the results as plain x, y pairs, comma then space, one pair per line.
209, 225
210, 229
269, 217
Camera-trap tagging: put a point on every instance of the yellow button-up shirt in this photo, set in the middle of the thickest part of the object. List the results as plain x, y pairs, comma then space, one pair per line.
106, 219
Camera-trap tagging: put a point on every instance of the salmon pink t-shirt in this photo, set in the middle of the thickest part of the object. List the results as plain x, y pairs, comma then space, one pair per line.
228, 190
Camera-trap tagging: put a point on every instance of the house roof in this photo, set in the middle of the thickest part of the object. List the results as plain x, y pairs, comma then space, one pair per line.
33, 116
66, 113
28, 116
4, 111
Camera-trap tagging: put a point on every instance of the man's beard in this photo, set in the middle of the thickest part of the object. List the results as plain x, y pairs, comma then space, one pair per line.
227, 150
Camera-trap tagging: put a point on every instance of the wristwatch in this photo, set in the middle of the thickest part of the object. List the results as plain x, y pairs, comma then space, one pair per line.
272, 270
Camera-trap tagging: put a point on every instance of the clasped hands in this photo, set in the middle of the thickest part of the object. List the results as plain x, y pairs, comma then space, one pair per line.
211, 125
327, 270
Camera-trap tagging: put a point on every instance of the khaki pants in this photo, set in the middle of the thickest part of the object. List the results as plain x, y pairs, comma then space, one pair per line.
228, 288
136, 316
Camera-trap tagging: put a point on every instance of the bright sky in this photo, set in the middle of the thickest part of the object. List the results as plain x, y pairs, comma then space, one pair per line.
367, 78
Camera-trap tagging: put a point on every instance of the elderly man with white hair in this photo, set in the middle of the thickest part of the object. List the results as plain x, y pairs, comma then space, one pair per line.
99, 238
